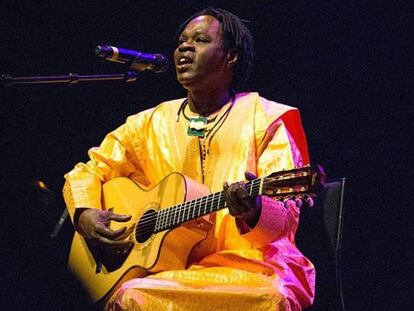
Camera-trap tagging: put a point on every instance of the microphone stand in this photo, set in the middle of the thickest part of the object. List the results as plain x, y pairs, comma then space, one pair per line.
71, 78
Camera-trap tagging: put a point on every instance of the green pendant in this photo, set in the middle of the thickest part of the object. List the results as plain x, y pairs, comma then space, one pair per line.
197, 126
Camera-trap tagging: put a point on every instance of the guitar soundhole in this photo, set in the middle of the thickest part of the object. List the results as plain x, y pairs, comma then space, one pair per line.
146, 226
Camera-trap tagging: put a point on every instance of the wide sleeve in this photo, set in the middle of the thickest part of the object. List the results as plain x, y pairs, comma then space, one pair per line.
283, 146
119, 154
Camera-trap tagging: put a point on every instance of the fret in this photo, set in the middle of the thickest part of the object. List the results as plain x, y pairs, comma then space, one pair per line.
261, 186
170, 220
165, 218
191, 206
193, 213
252, 187
219, 197
205, 206
188, 205
161, 219
185, 208
157, 223
176, 212
212, 203
189, 212
196, 208
171, 216
172, 213
223, 204
182, 213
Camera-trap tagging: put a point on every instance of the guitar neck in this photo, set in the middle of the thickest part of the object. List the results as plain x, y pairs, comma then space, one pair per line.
279, 185
175, 215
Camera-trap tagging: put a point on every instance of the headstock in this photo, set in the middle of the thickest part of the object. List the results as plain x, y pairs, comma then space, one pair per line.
306, 180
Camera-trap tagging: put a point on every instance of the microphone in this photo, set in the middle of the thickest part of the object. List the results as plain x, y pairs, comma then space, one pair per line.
137, 60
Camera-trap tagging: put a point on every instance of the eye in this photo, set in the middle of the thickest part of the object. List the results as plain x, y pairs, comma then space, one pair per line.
181, 41
202, 39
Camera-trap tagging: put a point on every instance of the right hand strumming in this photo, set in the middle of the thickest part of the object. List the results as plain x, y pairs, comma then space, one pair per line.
93, 225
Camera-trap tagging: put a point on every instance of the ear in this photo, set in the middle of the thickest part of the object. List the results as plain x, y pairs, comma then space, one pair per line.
232, 58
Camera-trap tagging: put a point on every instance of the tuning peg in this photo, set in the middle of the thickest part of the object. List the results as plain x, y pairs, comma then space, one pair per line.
299, 202
297, 199
308, 200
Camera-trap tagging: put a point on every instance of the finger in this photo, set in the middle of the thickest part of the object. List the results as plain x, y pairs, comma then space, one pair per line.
235, 206
237, 194
121, 233
225, 187
119, 217
244, 197
247, 205
250, 176
226, 192
229, 193
104, 231
241, 192
232, 205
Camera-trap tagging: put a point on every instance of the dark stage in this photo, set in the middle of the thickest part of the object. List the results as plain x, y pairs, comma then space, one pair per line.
343, 64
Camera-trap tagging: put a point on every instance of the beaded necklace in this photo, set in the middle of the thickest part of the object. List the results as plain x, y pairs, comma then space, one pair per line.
199, 126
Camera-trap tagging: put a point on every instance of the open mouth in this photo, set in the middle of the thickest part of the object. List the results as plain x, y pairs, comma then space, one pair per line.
184, 60
183, 63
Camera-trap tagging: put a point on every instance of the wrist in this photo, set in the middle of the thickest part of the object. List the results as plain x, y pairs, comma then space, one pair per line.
252, 221
247, 224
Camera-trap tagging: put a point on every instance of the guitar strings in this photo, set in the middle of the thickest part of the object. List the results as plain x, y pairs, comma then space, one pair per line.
185, 207
144, 230
165, 219
149, 222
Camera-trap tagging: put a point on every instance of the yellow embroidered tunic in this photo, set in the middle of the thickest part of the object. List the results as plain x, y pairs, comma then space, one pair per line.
258, 270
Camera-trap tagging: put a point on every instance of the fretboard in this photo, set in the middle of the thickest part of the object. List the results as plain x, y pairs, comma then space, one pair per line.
175, 215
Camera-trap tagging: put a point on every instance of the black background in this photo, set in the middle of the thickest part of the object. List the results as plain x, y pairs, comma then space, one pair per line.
343, 64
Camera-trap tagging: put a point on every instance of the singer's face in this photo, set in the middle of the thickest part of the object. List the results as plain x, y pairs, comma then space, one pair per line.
200, 58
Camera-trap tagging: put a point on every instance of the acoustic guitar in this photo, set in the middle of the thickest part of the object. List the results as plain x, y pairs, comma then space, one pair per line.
166, 224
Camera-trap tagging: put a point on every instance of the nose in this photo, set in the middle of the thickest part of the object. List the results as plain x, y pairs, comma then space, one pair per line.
186, 46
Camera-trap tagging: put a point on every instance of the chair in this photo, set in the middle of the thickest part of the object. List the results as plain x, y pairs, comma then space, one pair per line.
319, 237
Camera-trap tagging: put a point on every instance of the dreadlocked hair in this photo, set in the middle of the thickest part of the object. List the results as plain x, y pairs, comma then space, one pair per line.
236, 38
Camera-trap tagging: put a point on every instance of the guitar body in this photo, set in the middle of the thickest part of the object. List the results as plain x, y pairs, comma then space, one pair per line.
101, 271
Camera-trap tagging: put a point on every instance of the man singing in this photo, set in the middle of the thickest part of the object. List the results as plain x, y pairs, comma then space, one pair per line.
215, 135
